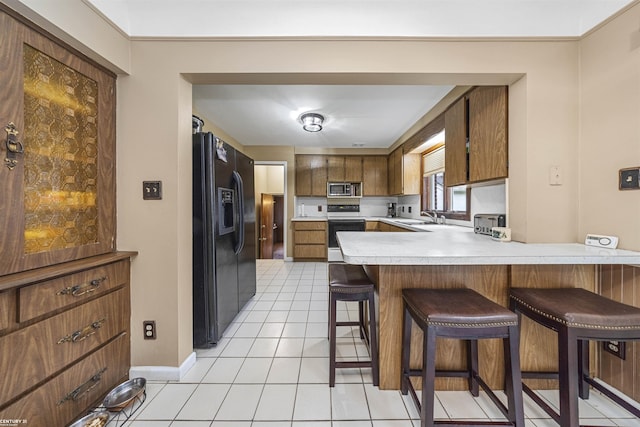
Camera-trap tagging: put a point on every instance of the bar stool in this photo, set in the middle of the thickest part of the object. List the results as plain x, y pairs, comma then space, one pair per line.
349, 282
460, 314
578, 316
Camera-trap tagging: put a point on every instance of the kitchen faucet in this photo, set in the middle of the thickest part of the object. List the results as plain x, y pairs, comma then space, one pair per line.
431, 215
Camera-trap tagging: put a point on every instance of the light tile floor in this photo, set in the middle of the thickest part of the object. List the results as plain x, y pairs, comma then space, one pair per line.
271, 370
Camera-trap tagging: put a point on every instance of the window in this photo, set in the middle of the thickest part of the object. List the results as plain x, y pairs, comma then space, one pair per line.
452, 202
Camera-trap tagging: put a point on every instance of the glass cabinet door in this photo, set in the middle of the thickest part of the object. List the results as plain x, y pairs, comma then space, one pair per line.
58, 152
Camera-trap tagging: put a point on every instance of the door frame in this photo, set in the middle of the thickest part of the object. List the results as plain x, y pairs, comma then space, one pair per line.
285, 234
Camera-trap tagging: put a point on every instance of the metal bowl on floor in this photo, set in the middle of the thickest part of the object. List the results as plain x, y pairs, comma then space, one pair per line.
124, 394
96, 419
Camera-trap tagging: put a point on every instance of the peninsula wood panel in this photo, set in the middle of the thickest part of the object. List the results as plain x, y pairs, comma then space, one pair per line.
539, 345
621, 283
490, 281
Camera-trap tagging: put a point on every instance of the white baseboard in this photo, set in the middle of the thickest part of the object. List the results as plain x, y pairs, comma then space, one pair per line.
163, 373
288, 259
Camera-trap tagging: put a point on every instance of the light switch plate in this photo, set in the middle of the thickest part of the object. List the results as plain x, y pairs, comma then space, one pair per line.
152, 190
600, 241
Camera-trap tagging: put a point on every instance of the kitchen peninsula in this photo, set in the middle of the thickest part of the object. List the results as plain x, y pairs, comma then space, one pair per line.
450, 256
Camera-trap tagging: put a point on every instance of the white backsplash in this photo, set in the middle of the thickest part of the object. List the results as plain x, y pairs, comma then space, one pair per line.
485, 199
308, 206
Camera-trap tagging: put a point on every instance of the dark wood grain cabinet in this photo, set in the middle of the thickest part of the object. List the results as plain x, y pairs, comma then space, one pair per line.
403, 173
374, 176
70, 329
456, 131
64, 290
488, 154
58, 198
309, 240
477, 137
311, 175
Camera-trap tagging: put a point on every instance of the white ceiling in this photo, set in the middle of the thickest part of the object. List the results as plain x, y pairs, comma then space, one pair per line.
400, 18
371, 115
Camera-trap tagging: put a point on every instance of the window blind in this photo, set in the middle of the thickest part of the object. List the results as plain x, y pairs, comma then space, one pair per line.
433, 162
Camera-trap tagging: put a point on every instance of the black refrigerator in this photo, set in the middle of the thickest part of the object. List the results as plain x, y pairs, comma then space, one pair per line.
224, 246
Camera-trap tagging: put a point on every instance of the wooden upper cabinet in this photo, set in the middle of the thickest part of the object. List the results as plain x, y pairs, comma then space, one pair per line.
335, 166
374, 176
58, 202
455, 124
353, 169
311, 175
344, 168
488, 152
404, 173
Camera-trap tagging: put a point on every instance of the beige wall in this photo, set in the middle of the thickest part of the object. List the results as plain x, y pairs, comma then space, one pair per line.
75, 22
609, 129
548, 110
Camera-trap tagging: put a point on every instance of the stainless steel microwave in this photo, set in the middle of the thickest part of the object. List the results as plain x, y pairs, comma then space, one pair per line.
344, 189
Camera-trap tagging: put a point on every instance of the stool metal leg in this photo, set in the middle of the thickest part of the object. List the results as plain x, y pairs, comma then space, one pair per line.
373, 341
406, 341
332, 339
428, 377
472, 367
513, 376
583, 368
361, 320
568, 376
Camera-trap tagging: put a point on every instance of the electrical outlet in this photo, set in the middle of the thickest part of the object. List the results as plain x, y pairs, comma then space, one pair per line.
152, 190
629, 179
319, 208
149, 328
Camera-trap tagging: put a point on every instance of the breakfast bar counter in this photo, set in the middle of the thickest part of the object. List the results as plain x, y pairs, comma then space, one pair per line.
451, 256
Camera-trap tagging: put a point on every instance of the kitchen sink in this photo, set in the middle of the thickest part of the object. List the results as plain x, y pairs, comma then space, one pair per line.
409, 221
425, 227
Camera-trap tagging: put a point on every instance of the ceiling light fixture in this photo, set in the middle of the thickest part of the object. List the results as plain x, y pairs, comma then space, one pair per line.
312, 122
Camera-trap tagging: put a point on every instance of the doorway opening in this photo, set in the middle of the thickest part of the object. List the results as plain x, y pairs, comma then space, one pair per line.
270, 191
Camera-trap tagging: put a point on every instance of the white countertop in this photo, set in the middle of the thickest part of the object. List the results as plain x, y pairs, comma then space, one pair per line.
452, 245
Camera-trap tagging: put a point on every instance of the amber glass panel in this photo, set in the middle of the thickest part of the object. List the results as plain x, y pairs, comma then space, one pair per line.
60, 161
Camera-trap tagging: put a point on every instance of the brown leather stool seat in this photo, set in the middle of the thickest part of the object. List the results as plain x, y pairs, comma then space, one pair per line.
349, 282
460, 314
578, 316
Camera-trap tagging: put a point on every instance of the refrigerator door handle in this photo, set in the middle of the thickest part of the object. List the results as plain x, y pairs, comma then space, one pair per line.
240, 198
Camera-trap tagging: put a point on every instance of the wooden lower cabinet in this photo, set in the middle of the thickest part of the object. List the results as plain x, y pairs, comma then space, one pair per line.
383, 226
69, 395
309, 240
65, 343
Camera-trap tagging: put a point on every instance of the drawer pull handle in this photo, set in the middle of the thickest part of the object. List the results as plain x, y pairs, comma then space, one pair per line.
79, 290
83, 389
84, 333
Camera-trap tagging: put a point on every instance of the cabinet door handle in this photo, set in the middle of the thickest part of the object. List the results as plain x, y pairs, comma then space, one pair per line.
79, 290
84, 333
83, 389
13, 146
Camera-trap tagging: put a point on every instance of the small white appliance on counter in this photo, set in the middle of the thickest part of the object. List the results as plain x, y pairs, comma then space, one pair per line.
483, 223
